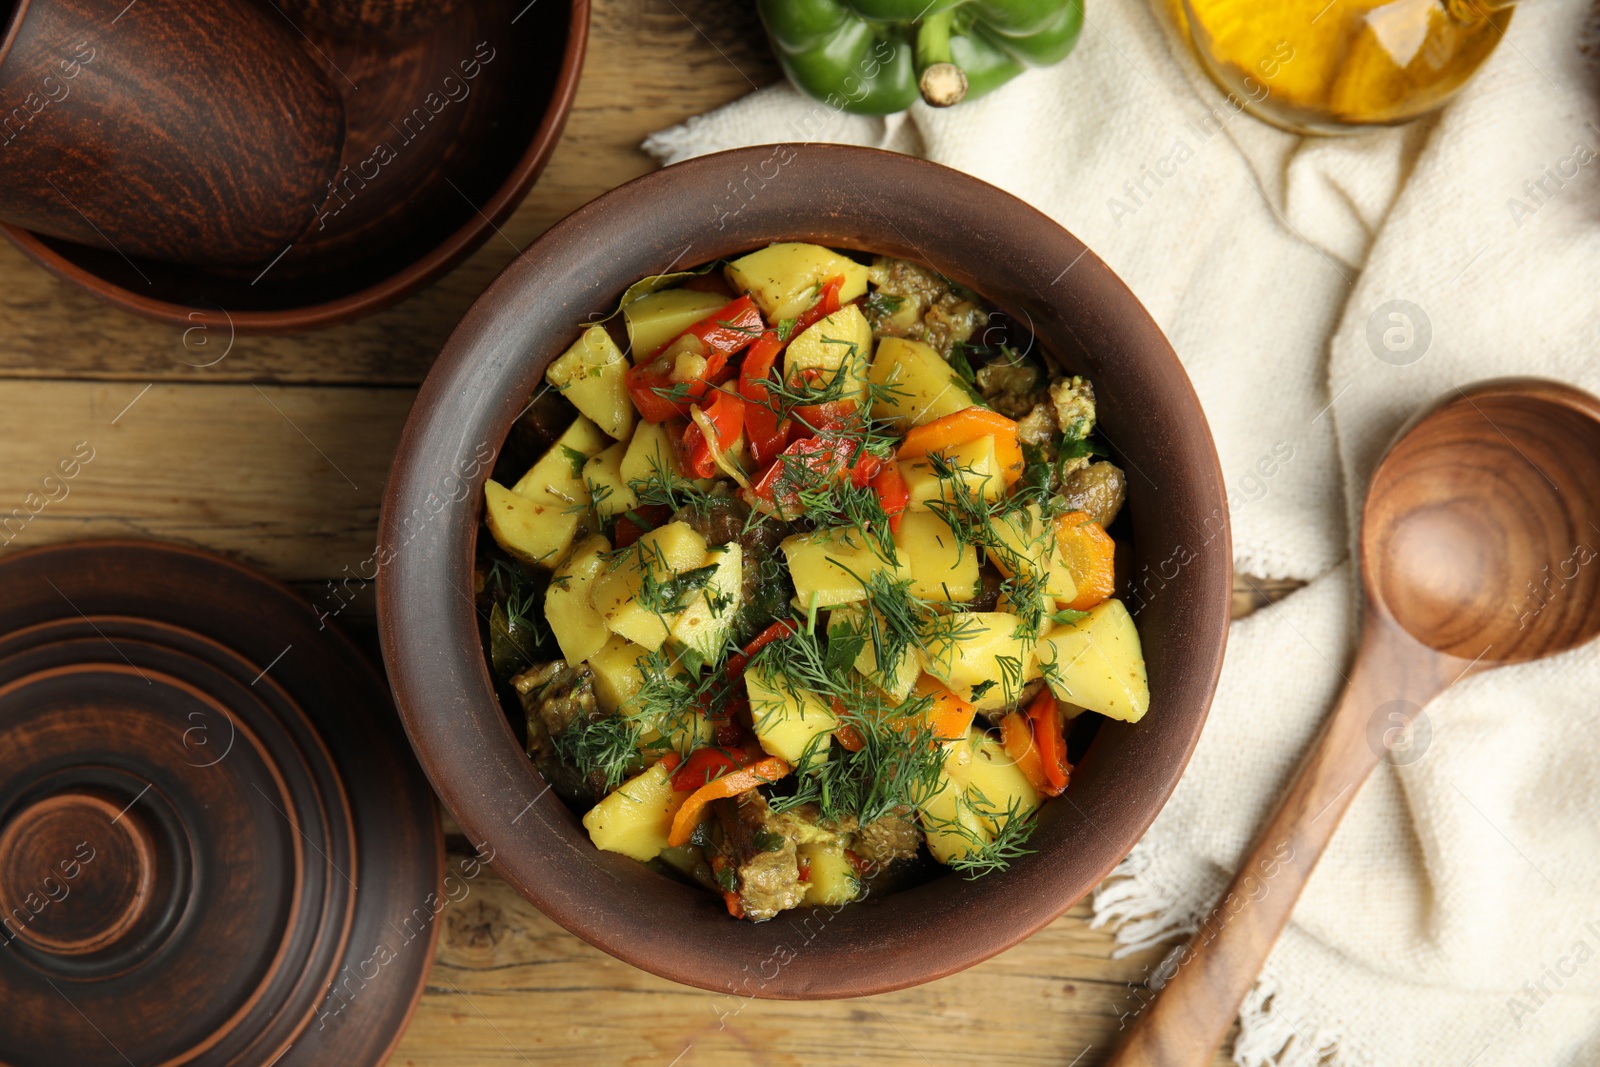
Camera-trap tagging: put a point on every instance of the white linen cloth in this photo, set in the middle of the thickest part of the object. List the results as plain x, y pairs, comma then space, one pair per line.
1455, 918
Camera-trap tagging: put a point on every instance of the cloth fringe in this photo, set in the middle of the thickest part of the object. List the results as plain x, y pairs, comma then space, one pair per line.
1143, 915
1269, 1038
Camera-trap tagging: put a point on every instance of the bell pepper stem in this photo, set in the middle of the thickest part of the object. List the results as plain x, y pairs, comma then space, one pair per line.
941, 82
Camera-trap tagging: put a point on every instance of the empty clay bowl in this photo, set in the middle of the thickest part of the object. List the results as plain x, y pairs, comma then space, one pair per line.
445, 132
368, 19
163, 130
687, 214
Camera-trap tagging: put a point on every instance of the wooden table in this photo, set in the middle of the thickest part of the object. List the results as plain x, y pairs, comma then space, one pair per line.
276, 454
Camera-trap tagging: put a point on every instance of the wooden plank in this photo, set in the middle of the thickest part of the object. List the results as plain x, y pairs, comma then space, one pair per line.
286, 479
648, 66
510, 987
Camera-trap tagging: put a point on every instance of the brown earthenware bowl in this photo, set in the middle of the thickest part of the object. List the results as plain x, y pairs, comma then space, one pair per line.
444, 134
692, 213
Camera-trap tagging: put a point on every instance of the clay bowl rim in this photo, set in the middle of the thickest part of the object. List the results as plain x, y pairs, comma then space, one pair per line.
13, 12
497, 355
410, 279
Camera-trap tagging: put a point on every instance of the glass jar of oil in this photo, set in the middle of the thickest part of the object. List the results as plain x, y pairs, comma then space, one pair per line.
1337, 66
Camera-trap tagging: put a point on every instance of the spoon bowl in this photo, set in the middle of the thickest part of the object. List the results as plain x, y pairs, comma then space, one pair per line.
1482, 519
1480, 527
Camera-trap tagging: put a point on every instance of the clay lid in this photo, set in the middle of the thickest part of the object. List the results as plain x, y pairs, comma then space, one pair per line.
215, 847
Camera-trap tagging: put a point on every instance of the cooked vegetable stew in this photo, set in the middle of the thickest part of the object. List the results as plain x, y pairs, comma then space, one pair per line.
815, 588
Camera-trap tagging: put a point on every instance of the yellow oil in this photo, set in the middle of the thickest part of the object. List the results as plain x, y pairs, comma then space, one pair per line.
1330, 67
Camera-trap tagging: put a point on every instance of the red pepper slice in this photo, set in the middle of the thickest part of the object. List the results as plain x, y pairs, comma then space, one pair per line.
866, 469
892, 492
707, 764
1048, 739
767, 435
830, 457
829, 417
645, 384
727, 413
731, 328
827, 303
762, 772
629, 530
759, 360
723, 333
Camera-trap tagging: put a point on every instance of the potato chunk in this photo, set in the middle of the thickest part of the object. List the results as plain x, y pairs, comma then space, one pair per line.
619, 677
640, 596
1028, 544
590, 375
704, 625
895, 678
920, 385
609, 491
650, 455
985, 657
942, 568
980, 790
636, 818
657, 318
836, 347
558, 475
530, 530
974, 465
1098, 663
578, 628
828, 567
833, 879
784, 279
787, 719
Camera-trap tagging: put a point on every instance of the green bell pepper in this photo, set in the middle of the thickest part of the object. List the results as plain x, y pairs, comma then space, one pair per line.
874, 57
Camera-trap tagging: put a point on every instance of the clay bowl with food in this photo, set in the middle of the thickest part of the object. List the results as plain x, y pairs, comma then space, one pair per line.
668, 843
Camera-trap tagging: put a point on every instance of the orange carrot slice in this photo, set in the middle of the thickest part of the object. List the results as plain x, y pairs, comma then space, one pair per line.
1089, 552
964, 427
762, 772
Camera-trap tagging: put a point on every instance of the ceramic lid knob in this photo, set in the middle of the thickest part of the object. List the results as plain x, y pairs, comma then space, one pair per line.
78, 872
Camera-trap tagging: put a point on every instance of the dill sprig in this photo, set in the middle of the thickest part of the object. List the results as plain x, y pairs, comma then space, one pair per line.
518, 591
899, 761
604, 749
663, 487
1012, 830
672, 698
897, 621
663, 592
962, 506
897, 766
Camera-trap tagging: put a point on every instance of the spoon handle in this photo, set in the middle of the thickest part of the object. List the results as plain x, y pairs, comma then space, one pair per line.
1197, 1005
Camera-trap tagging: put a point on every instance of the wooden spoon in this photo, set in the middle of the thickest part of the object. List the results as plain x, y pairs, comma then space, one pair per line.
1478, 548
